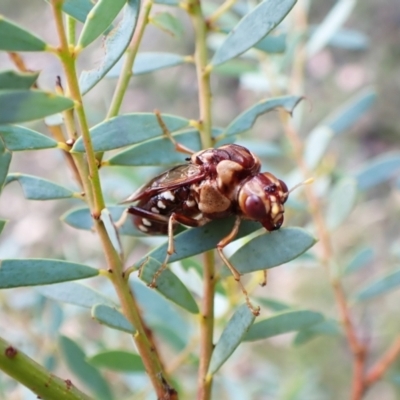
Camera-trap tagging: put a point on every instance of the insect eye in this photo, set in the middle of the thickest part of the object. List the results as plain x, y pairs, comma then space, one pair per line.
270, 188
283, 186
255, 207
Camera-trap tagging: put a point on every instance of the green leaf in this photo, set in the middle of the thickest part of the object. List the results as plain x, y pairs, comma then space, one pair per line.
341, 202
81, 218
272, 304
75, 293
36, 271
75, 359
98, 20
115, 44
78, 9
198, 240
17, 80
331, 24
159, 151
317, 144
231, 337
19, 138
35, 188
15, 38
27, 105
169, 285
269, 250
378, 170
339, 121
129, 129
326, 327
247, 119
272, 44
168, 2
112, 318
362, 258
252, 28
235, 68
2, 224
287, 321
349, 39
5, 160
343, 118
168, 23
148, 62
158, 312
379, 286
117, 360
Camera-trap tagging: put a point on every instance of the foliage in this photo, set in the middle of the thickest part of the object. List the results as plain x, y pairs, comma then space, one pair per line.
264, 49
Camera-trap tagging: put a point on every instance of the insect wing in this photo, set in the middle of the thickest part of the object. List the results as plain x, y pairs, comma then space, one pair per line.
181, 175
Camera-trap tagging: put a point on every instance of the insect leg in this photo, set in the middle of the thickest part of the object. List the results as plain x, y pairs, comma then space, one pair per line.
236, 274
178, 146
182, 219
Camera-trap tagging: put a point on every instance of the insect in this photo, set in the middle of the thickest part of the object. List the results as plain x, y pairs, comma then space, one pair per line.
214, 184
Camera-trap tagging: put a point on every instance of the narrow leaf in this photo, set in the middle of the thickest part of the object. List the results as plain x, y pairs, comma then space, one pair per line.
169, 285
287, 321
115, 44
112, 318
35, 271
5, 160
326, 327
75, 293
270, 250
2, 224
75, 359
148, 62
317, 144
252, 28
168, 23
341, 202
78, 9
349, 39
111, 229
272, 304
27, 105
160, 313
17, 80
117, 360
15, 38
331, 24
231, 337
19, 138
338, 122
362, 258
99, 19
129, 129
378, 170
343, 118
81, 218
379, 286
35, 188
247, 119
168, 2
159, 151
272, 44
198, 240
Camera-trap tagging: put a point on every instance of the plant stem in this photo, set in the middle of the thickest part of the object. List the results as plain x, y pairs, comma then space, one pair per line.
126, 72
205, 128
206, 327
32, 375
222, 9
203, 72
91, 181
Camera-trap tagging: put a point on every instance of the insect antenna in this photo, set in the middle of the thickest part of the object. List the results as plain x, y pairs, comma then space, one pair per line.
306, 182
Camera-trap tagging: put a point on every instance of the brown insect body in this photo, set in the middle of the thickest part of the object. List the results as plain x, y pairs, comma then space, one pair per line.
215, 183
